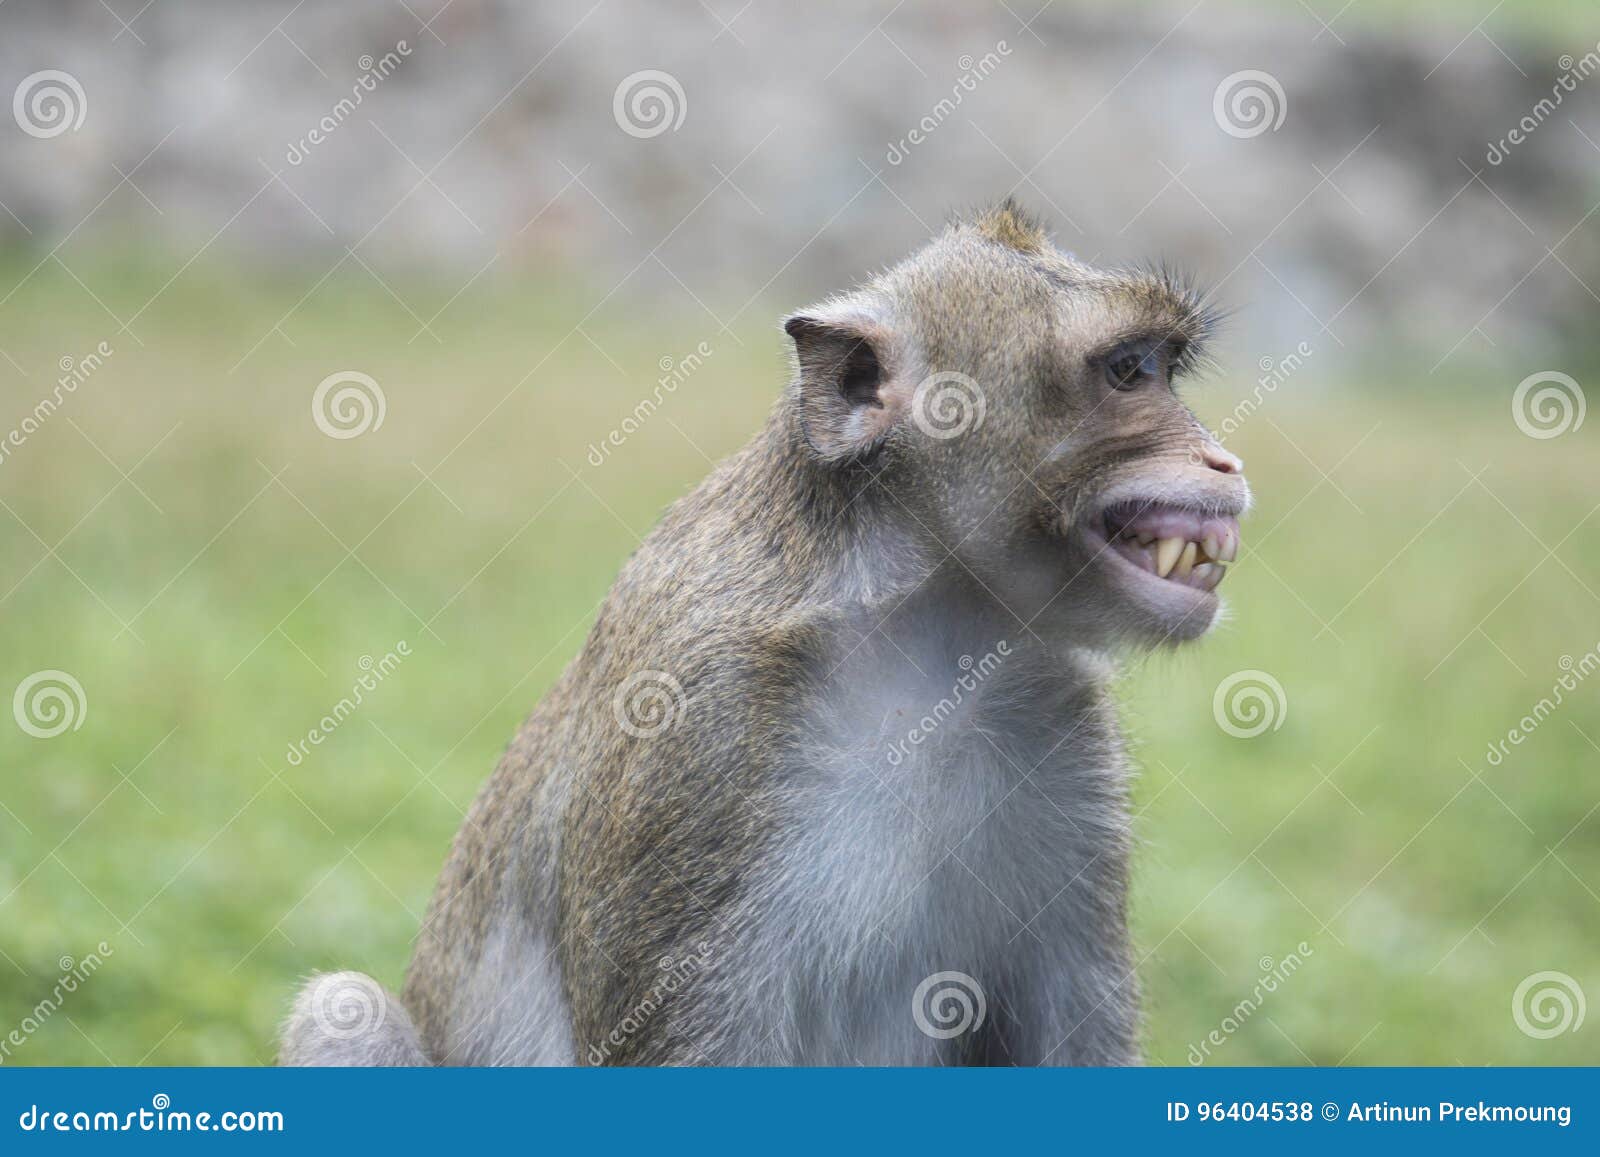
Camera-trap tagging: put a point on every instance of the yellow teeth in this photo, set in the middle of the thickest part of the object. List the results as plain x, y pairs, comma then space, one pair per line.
1167, 552
1198, 562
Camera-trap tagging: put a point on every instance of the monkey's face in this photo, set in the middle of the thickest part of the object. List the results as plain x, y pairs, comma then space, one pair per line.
1020, 408
1105, 511
1143, 504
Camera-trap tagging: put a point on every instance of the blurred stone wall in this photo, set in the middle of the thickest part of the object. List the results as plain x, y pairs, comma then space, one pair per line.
798, 146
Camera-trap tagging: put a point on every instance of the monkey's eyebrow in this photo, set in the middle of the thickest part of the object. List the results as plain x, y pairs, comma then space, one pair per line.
1147, 339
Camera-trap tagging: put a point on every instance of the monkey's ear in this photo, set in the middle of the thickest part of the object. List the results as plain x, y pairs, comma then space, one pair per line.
848, 398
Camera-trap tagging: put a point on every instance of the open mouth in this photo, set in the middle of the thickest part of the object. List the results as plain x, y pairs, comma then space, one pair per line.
1175, 545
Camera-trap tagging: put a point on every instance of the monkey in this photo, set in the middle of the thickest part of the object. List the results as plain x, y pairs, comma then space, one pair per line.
837, 776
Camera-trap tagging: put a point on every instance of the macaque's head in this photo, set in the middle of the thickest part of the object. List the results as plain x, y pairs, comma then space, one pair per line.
1017, 408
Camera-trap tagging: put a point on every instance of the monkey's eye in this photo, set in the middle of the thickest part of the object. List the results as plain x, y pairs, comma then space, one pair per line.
1128, 369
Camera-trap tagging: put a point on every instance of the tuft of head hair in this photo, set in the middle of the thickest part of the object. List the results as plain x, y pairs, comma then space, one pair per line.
1009, 224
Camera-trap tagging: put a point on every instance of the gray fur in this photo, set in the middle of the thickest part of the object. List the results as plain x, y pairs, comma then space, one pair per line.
346, 1020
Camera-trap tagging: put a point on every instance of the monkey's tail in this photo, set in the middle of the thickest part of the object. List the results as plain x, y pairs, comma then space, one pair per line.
348, 1019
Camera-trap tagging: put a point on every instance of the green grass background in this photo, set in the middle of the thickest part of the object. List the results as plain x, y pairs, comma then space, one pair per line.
212, 569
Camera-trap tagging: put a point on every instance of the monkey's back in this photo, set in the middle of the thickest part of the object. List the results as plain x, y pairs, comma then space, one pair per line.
595, 848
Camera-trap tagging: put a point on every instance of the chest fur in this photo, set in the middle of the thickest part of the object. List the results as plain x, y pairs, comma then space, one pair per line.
949, 814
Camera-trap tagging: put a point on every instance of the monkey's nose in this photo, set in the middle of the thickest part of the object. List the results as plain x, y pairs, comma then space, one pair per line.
1221, 460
